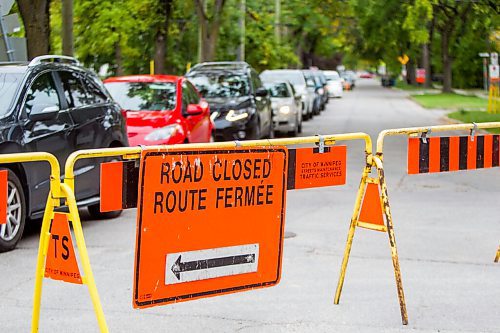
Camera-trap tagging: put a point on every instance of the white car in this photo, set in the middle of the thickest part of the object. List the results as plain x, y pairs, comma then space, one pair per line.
287, 107
334, 85
297, 79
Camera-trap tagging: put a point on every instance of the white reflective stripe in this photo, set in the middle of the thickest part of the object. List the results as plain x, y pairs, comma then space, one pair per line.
211, 263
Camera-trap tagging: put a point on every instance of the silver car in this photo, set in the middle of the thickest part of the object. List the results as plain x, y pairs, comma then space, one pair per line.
297, 79
287, 107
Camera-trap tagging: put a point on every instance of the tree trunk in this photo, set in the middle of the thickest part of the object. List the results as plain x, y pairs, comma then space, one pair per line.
411, 77
67, 27
447, 61
209, 28
36, 18
426, 56
118, 59
161, 37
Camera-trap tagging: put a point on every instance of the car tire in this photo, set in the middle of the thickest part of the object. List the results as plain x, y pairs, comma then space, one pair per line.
12, 231
271, 130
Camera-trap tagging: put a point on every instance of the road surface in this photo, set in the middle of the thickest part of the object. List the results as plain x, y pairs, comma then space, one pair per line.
447, 230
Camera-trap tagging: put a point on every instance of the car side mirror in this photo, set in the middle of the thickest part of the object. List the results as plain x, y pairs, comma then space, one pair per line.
194, 110
44, 112
261, 92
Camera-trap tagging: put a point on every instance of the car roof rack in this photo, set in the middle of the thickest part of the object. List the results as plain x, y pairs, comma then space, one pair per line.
221, 65
53, 58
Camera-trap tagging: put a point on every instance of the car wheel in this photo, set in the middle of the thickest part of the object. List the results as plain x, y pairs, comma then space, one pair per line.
295, 131
271, 130
11, 232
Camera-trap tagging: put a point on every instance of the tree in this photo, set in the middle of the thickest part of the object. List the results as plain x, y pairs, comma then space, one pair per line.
451, 17
209, 26
164, 12
36, 18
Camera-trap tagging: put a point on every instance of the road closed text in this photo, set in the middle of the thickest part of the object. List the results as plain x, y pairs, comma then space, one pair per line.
181, 184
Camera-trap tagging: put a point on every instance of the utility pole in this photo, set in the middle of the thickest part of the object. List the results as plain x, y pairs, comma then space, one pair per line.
67, 27
277, 18
240, 56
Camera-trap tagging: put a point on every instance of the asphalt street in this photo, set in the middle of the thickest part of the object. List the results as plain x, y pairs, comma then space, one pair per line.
447, 229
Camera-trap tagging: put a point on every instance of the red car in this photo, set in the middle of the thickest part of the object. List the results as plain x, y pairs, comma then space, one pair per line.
161, 109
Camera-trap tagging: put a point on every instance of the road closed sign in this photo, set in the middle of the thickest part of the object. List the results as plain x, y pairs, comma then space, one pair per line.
209, 222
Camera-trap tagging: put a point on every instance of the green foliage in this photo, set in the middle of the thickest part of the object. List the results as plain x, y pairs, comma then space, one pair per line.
476, 117
451, 101
366, 32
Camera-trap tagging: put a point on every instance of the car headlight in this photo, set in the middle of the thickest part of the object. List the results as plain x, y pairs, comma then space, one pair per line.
321, 91
285, 109
163, 133
239, 114
303, 97
214, 115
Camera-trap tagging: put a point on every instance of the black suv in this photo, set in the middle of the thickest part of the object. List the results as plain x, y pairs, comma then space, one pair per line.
54, 105
239, 103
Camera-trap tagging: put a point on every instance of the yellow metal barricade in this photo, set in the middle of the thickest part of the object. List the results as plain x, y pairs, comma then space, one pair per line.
130, 153
377, 162
53, 201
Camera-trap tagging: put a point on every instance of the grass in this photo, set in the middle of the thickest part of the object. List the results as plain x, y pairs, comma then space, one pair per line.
451, 101
476, 117
408, 87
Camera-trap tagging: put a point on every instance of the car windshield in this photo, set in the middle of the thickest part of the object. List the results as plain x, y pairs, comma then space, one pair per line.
221, 84
295, 78
332, 77
9, 82
279, 90
143, 96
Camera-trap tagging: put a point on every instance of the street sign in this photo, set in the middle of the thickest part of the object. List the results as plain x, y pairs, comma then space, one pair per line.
209, 222
494, 73
420, 75
484, 54
310, 168
404, 59
18, 45
494, 58
61, 261
5, 6
11, 23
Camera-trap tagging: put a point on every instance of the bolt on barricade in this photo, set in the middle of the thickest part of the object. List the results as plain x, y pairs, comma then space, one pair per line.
228, 176
425, 155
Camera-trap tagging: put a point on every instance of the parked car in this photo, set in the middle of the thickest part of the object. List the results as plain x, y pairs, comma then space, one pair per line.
319, 76
349, 79
240, 105
161, 109
298, 80
287, 107
52, 104
315, 86
334, 86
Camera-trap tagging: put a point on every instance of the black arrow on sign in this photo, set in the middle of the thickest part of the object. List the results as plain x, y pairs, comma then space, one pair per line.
181, 267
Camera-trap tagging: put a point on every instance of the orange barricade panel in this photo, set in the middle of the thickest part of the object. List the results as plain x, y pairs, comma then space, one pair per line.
111, 186
371, 207
61, 261
209, 222
118, 185
310, 168
441, 154
4, 191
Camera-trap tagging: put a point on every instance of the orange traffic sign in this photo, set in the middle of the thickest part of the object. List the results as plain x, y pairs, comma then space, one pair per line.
209, 222
310, 168
371, 215
61, 261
